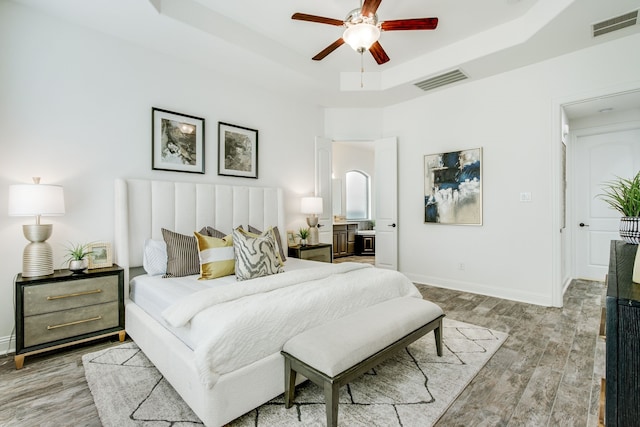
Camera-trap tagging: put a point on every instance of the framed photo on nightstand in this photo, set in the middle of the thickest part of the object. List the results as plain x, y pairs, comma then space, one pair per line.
100, 255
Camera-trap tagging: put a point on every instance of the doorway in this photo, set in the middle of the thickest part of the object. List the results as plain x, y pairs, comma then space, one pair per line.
603, 142
355, 159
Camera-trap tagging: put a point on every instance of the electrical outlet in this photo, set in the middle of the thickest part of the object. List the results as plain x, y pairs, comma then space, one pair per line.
461, 266
525, 197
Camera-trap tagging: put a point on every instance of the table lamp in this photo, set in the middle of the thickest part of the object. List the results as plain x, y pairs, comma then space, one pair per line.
36, 200
312, 206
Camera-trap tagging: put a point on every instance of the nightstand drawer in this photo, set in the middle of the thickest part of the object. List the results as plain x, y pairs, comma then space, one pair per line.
57, 296
49, 327
317, 254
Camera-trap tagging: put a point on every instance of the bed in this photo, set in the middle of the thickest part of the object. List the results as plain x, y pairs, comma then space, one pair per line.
225, 371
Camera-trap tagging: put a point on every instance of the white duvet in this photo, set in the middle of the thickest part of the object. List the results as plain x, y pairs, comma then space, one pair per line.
234, 326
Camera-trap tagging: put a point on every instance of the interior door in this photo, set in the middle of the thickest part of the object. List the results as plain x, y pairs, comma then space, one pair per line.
386, 189
324, 184
599, 157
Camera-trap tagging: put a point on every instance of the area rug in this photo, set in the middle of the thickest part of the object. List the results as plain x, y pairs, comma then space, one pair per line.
413, 388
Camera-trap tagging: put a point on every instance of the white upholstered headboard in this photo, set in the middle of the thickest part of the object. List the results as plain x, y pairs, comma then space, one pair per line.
143, 207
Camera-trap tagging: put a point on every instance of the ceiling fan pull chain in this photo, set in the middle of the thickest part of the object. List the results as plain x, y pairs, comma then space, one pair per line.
361, 70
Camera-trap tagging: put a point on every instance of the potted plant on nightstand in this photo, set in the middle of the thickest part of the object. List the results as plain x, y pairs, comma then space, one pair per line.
623, 195
77, 257
303, 233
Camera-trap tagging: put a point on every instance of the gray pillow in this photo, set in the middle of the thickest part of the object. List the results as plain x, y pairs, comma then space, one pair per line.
255, 256
276, 233
182, 253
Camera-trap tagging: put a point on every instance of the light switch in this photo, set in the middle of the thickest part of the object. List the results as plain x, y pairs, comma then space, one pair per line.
525, 197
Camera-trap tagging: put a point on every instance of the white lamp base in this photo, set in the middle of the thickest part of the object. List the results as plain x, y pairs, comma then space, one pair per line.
312, 222
313, 236
37, 258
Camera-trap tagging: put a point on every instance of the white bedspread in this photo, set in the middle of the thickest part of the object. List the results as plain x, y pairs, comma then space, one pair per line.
237, 325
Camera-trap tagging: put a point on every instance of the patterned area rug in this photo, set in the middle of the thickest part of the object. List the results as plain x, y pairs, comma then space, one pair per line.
413, 388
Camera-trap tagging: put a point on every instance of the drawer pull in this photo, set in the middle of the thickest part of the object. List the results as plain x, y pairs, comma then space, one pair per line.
77, 322
77, 294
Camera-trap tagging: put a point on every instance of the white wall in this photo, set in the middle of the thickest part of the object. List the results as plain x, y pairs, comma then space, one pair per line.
76, 110
510, 116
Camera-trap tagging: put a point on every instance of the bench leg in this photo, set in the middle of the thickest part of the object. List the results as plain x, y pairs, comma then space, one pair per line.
438, 334
289, 383
331, 394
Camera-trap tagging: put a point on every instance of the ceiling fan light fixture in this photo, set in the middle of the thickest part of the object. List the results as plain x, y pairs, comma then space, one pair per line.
361, 36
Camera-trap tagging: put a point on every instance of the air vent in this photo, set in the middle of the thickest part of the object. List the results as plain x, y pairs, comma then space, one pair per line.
615, 24
442, 80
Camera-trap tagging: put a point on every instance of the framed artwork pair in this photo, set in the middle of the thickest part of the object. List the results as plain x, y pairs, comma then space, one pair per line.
178, 144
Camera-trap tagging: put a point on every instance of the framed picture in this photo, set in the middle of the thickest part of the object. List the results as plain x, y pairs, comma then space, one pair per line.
177, 142
100, 255
291, 238
453, 187
237, 151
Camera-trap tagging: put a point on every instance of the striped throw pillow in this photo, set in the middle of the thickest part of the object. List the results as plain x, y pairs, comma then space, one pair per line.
255, 256
182, 254
216, 256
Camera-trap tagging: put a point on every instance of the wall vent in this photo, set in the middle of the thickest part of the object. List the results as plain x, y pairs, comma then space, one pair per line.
442, 80
615, 24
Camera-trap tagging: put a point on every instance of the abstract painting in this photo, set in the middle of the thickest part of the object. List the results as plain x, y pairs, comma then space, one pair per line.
237, 151
453, 187
177, 142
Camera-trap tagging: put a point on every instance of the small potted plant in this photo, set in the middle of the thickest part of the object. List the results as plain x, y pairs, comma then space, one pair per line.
303, 233
623, 195
77, 257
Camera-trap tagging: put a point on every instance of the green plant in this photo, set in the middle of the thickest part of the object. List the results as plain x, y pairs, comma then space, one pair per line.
623, 195
303, 233
77, 251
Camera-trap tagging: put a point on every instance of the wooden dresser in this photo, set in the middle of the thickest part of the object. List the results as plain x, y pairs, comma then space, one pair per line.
63, 309
622, 399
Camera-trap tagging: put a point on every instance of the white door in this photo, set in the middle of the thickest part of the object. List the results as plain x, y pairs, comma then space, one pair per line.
386, 189
599, 158
324, 183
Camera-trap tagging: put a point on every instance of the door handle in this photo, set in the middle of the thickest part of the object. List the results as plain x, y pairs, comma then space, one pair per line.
320, 225
582, 224
392, 225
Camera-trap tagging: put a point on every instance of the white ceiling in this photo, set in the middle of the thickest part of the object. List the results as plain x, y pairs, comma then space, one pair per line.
256, 41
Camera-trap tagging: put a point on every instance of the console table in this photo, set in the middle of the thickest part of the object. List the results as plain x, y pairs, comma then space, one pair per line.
622, 407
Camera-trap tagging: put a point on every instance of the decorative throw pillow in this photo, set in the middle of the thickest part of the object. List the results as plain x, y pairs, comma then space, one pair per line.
182, 254
255, 256
216, 256
276, 234
154, 258
212, 232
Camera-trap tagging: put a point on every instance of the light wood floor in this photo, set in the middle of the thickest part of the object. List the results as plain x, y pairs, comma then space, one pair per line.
546, 374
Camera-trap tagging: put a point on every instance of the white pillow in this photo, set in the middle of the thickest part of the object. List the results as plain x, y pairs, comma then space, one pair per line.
154, 259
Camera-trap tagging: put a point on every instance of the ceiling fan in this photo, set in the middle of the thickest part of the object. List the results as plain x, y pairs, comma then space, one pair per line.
363, 29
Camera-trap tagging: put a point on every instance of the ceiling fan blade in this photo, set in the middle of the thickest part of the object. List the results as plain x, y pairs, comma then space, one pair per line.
327, 50
378, 53
369, 7
318, 19
410, 24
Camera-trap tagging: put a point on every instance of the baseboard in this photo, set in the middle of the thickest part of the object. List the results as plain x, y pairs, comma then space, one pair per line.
479, 288
7, 345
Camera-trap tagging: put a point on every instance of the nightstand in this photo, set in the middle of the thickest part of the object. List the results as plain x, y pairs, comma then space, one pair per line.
321, 252
63, 309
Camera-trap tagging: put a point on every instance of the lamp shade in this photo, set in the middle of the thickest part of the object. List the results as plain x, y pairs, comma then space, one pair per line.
311, 205
361, 36
36, 199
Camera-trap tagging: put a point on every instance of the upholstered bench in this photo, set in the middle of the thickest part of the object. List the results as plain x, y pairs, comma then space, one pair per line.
335, 353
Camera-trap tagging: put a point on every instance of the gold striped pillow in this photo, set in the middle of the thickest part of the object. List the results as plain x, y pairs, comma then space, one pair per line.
216, 256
